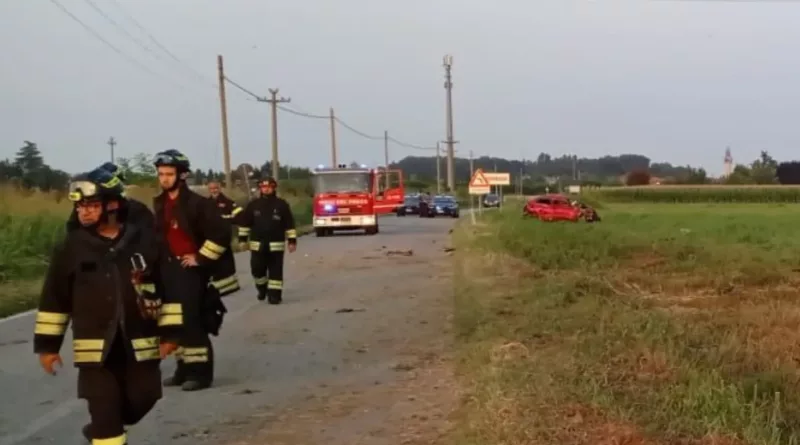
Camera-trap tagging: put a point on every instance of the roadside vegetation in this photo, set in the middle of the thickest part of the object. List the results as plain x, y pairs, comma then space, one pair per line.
32, 222
663, 324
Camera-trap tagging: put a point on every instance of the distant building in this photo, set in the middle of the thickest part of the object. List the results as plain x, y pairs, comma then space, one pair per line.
728, 163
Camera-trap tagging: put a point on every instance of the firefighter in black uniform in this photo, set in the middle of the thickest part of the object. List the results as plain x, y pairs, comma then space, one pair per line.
224, 277
138, 212
269, 224
195, 236
104, 277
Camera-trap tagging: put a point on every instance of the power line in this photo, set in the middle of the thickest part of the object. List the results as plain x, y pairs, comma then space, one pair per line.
158, 44
319, 116
110, 45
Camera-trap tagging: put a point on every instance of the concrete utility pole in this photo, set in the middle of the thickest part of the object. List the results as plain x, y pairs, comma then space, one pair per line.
448, 86
471, 165
112, 143
438, 170
334, 161
223, 105
386, 155
274, 101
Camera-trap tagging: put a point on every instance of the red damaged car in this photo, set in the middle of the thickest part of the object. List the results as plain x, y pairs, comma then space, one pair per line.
555, 207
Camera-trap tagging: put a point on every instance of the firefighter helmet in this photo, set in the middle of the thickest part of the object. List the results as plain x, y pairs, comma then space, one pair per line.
114, 170
173, 158
268, 180
96, 184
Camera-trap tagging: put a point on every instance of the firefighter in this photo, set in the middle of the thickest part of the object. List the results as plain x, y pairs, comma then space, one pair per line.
195, 236
227, 206
269, 224
104, 277
224, 277
137, 211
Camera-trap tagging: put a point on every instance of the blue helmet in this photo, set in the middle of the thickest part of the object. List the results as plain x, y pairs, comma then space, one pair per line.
114, 170
97, 184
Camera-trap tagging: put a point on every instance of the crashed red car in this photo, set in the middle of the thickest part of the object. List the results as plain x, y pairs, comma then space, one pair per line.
555, 207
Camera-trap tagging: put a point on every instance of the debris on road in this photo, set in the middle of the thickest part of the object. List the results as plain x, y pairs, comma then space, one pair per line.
408, 252
449, 249
347, 310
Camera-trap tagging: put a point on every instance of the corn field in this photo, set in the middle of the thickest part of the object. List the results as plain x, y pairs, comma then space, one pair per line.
697, 194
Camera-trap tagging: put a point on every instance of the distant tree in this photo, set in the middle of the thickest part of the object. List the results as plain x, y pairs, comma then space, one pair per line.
638, 177
741, 175
696, 176
29, 158
788, 172
142, 163
355, 164
763, 169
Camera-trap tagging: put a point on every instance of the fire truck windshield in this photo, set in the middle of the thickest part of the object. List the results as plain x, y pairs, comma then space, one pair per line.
355, 182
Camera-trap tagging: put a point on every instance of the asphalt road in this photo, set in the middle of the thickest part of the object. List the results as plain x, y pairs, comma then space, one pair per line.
267, 356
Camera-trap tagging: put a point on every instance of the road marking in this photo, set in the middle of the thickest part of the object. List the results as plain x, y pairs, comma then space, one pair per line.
42, 422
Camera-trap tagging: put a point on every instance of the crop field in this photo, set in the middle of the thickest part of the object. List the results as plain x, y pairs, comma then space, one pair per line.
663, 324
698, 194
31, 224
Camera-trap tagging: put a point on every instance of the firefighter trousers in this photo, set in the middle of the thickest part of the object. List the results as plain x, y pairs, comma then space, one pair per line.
195, 355
119, 393
267, 271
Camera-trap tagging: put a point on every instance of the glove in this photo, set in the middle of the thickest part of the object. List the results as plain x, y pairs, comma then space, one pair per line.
167, 348
150, 308
48, 362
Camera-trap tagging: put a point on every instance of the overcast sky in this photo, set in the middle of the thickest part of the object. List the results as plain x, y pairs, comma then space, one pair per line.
676, 81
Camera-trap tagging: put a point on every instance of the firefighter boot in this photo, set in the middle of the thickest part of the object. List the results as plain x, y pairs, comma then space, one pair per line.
195, 385
178, 378
262, 292
274, 296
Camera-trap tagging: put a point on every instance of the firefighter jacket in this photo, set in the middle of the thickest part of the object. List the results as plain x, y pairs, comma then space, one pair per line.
199, 218
227, 207
268, 223
136, 212
90, 283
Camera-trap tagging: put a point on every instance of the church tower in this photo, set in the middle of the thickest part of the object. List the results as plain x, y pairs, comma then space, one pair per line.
728, 162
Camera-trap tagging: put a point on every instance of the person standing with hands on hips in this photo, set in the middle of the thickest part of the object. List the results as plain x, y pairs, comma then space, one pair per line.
105, 279
268, 224
192, 231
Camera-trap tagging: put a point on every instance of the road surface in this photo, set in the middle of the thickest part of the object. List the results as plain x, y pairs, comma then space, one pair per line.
270, 359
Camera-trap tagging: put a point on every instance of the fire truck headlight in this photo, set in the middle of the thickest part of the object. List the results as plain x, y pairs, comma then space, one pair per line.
328, 207
320, 222
368, 220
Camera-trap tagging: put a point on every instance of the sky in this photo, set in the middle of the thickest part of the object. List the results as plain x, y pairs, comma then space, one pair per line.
677, 81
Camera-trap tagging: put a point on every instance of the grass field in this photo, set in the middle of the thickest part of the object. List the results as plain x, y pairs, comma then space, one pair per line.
663, 324
31, 224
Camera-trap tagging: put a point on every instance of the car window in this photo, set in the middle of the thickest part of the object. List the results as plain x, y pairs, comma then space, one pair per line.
544, 201
411, 201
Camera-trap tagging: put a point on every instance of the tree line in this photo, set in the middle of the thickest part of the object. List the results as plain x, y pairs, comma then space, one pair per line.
28, 169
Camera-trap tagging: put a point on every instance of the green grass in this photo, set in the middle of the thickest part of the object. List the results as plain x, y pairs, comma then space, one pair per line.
30, 225
678, 324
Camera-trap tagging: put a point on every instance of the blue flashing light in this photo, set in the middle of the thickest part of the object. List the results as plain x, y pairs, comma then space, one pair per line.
363, 165
328, 207
321, 166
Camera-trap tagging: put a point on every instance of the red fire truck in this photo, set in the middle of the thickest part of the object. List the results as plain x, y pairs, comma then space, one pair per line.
351, 198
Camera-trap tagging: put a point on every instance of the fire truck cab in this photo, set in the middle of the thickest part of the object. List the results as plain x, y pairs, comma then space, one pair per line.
351, 198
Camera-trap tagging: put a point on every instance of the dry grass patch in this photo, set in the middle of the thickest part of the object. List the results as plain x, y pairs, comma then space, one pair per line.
669, 325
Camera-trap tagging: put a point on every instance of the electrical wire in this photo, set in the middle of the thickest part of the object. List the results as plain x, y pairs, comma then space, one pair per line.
159, 44
122, 54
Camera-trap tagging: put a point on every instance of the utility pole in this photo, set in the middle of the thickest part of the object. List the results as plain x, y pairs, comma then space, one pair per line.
438, 170
386, 155
334, 161
112, 143
274, 101
448, 86
471, 166
574, 167
223, 105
